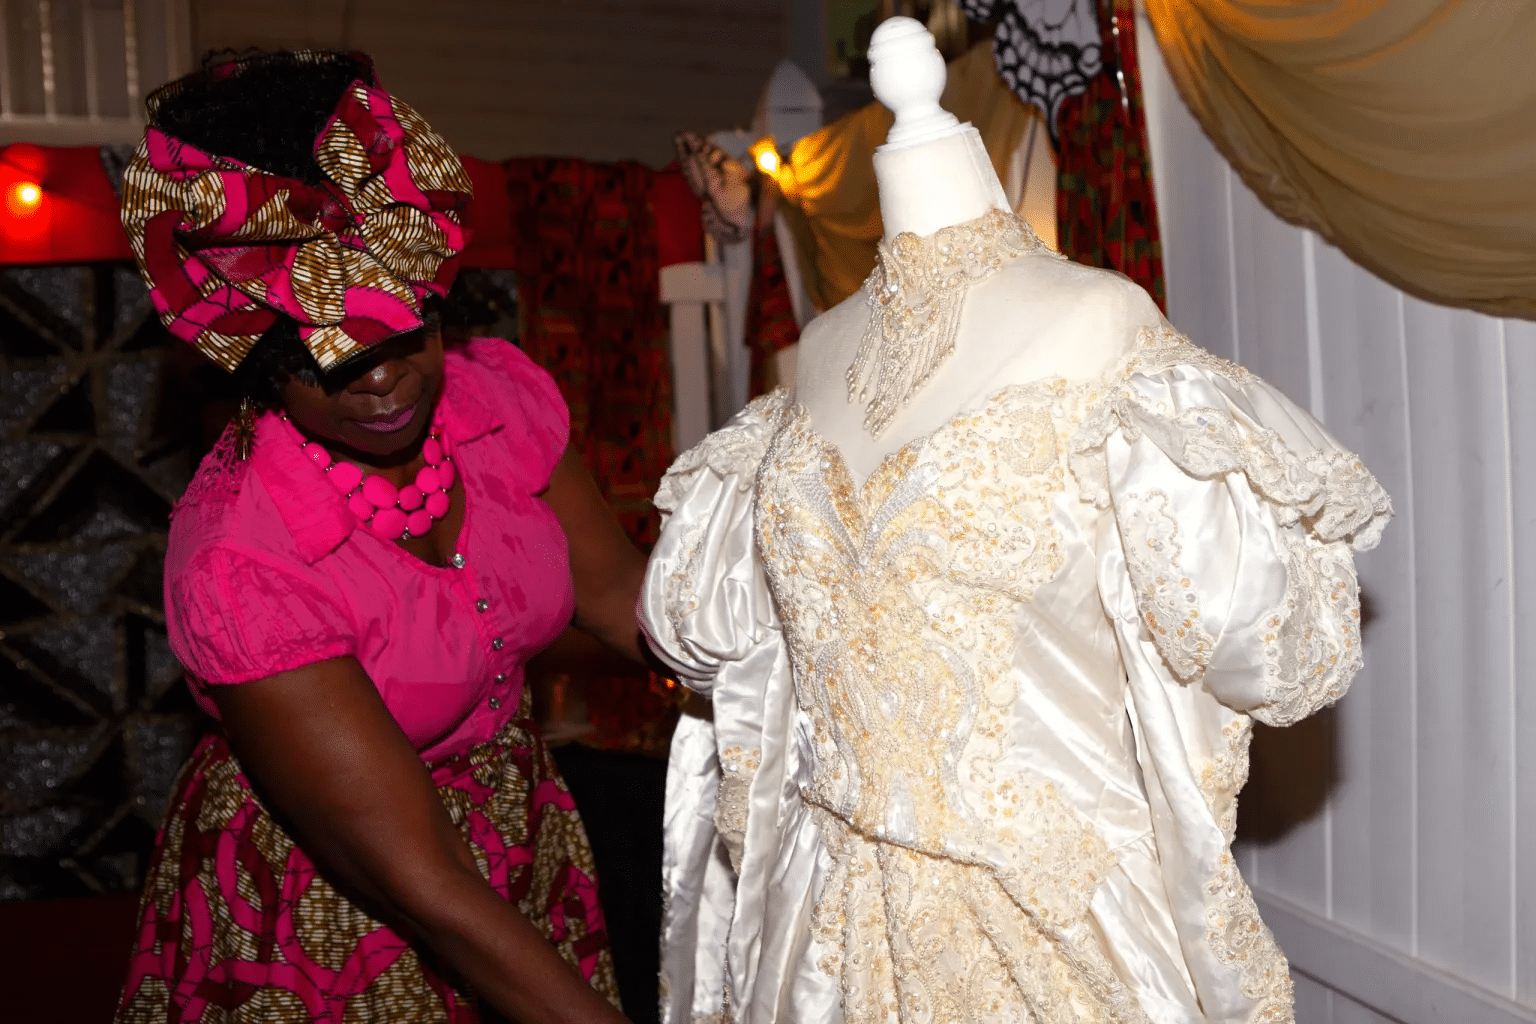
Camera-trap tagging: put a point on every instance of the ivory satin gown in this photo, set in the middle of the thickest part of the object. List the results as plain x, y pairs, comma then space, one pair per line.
979, 723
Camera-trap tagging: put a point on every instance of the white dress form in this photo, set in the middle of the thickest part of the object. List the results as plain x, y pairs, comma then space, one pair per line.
1038, 317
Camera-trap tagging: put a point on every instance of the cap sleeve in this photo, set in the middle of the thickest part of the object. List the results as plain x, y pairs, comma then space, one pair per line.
530, 404
233, 618
1237, 516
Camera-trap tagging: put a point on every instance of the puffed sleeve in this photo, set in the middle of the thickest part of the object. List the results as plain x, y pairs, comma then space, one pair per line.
1226, 567
741, 846
1236, 516
234, 617
537, 421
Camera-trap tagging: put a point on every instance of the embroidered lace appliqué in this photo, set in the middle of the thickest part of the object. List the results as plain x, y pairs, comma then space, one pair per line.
738, 767
218, 477
915, 295
1241, 940
1164, 592
917, 576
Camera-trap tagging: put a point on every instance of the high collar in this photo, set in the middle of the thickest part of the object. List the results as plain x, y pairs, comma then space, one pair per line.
315, 514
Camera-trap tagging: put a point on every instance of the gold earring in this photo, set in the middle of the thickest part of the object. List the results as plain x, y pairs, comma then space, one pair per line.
245, 429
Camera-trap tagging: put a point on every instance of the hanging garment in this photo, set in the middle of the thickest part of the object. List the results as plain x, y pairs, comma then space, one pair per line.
980, 721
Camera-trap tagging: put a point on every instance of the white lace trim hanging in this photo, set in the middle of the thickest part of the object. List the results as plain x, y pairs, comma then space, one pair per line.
915, 295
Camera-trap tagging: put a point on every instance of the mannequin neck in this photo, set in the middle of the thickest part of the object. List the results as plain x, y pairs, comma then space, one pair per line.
936, 184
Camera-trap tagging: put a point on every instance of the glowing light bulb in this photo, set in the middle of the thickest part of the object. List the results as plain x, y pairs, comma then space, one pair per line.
768, 161
23, 198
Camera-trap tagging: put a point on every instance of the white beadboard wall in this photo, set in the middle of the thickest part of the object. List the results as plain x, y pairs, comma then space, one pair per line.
1396, 858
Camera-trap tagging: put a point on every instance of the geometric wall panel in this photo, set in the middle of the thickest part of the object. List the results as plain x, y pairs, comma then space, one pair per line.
94, 725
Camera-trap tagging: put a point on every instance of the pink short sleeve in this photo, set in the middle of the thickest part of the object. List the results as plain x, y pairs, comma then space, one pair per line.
533, 410
233, 618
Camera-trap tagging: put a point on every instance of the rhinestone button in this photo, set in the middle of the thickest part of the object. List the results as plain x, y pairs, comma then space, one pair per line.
457, 560
501, 677
496, 644
495, 702
482, 604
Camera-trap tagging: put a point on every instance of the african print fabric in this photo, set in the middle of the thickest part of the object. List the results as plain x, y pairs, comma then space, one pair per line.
226, 248
1106, 212
237, 926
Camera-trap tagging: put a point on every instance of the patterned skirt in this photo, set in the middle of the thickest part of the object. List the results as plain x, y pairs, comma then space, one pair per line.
237, 926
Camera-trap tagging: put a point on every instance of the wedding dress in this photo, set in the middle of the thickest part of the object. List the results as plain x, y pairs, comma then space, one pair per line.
979, 721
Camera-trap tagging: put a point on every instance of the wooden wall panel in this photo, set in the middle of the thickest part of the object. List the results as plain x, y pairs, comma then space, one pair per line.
1420, 854
599, 79
1363, 377
1520, 361
1458, 434
1197, 251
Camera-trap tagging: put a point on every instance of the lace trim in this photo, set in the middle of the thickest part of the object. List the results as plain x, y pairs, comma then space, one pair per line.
1332, 490
738, 767
1223, 776
1312, 640
916, 292
1164, 592
1241, 941
732, 452
218, 476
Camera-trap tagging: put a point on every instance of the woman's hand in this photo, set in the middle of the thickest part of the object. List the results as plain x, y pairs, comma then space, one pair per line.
330, 762
607, 569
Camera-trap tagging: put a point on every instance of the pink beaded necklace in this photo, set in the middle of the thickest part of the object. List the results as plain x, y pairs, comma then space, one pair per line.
394, 512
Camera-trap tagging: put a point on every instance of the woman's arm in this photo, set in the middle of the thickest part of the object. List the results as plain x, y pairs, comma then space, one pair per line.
333, 765
606, 567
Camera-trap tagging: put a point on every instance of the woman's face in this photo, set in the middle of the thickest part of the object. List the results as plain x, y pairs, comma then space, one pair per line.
376, 405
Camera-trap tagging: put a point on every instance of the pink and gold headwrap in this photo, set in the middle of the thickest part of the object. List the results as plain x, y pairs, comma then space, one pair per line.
225, 248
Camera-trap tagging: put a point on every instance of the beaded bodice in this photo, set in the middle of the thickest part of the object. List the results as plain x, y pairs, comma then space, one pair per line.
900, 599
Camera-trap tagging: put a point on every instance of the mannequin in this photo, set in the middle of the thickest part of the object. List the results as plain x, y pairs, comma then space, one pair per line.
1039, 317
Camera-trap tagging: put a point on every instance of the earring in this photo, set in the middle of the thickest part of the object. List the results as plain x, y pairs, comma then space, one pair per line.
245, 429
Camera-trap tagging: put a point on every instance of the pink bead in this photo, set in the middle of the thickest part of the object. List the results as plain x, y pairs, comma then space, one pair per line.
437, 504
418, 522
344, 477
360, 506
380, 491
426, 479
388, 522
410, 497
446, 475
432, 452
320, 455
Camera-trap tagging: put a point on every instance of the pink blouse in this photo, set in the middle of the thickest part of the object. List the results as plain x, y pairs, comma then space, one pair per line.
267, 569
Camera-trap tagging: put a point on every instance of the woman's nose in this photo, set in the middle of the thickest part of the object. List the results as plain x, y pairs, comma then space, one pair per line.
381, 379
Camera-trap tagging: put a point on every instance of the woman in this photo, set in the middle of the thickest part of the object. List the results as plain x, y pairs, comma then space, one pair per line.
354, 580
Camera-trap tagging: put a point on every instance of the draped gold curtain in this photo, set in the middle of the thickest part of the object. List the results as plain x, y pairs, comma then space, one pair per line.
829, 179
1404, 131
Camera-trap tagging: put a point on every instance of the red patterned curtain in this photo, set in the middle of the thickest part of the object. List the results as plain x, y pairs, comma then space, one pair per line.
1105, 211
584, 247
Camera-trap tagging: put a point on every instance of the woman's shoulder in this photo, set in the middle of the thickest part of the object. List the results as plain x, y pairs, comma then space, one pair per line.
225, 514
494, 381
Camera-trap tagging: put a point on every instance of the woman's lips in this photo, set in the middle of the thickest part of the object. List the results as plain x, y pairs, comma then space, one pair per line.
399, 421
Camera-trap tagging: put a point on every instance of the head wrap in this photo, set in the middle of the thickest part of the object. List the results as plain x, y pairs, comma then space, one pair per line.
226, 248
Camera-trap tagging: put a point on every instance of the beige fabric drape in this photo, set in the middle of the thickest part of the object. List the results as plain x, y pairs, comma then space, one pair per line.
1404, 131
829, 178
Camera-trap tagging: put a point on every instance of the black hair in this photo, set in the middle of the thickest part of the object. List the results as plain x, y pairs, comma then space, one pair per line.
264, 110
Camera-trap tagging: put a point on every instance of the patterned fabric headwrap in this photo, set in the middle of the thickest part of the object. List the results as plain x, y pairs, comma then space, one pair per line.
225, 248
